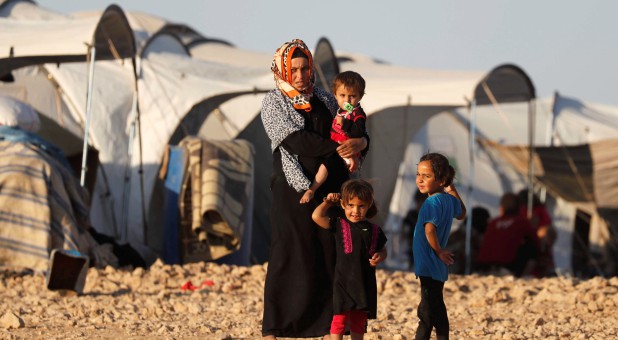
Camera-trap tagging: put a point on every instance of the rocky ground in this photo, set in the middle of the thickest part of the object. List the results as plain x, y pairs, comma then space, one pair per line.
225, 302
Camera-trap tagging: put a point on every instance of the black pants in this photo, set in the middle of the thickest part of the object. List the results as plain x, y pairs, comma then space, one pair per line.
432, 311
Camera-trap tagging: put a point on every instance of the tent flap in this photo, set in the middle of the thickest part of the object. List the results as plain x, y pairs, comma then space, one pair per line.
581, 173
113, 36
605, 173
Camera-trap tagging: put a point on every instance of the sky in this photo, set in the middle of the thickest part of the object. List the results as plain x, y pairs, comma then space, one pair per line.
567, 46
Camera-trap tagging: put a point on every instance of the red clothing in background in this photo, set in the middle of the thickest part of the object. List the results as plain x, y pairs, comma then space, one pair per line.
540, 216
503, 237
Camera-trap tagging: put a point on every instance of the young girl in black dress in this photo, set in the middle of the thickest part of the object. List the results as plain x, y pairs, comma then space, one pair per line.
359, 248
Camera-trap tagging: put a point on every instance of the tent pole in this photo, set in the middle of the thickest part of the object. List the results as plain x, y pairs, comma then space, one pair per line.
470, 186
128, 172
91, 58
531, 118
141, 169
135, 129
554, 114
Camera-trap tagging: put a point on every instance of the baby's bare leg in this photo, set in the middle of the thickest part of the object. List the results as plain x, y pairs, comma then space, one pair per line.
320, 177
307, 196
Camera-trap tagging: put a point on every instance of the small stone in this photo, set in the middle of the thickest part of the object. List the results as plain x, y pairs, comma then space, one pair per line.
195, 308
10, 320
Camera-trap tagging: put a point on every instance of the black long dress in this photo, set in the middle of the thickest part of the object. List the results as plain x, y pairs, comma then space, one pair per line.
355, 286
298, 288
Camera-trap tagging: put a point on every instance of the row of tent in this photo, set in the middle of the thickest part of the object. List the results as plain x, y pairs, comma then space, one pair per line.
131, 84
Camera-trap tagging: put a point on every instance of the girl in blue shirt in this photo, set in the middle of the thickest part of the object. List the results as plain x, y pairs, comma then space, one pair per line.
434, 176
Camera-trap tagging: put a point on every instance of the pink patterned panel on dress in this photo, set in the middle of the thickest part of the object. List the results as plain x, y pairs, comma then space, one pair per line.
347, 236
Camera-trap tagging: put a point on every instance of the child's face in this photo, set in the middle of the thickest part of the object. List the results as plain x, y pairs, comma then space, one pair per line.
347, 95
355, 210
426, 180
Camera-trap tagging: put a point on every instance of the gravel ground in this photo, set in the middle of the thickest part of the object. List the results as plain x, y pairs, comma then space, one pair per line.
225, 302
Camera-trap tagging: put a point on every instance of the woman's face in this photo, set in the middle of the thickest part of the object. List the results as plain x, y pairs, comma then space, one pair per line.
300, 73
347, 95
426, 180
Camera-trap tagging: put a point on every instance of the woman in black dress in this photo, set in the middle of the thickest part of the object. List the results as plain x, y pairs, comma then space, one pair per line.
297, 118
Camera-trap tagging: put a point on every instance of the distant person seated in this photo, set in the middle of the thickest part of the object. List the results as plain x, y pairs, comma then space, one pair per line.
541, 222
457, 241
510, 241
409, 222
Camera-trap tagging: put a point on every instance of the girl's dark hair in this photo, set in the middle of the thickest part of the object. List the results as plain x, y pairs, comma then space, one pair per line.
361, 189
442, 170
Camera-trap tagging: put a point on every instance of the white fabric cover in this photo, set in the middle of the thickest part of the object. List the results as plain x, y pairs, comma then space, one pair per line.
15, 113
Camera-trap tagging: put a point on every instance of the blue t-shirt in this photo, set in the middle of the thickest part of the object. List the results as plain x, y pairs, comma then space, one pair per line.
439, 210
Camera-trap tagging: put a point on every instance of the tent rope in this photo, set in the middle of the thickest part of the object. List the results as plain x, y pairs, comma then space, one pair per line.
496, 105
112, 48
322, 77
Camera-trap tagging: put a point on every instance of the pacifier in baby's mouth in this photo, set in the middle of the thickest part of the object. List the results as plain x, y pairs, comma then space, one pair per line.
348, 107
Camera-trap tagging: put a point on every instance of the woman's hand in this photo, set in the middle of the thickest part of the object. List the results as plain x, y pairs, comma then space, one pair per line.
351, 147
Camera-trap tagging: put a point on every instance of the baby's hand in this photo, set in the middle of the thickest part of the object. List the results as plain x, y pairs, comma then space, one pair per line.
339, 120
353, 163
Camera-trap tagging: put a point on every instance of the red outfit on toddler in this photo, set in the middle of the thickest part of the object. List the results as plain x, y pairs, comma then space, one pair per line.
353, 126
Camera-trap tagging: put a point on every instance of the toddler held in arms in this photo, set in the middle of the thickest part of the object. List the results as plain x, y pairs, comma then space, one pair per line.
349, 89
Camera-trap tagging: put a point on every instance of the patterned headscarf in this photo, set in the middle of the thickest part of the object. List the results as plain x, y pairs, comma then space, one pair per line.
283, 75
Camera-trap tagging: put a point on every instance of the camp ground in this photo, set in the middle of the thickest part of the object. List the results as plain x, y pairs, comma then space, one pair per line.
123, 94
